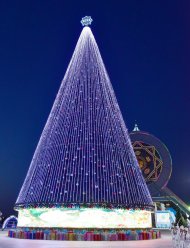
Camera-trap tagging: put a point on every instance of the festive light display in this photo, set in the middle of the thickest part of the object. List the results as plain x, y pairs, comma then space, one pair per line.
84, 218
84, 157
86, 21
163, 219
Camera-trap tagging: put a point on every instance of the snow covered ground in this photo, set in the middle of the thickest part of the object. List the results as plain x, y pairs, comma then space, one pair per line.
5, 242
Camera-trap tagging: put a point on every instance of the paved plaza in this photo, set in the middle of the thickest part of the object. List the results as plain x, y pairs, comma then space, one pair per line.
5, 242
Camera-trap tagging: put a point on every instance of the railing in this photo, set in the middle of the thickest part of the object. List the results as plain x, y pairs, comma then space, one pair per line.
167, 195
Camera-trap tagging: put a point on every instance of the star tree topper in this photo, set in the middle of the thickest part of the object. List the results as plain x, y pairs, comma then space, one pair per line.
86, 21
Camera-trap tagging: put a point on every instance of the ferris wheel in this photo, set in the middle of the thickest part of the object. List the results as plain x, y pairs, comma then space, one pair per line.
154, 160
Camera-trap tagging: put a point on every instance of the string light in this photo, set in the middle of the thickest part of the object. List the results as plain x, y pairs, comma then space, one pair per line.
84, 157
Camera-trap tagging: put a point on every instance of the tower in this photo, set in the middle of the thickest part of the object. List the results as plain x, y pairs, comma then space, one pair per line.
84, 164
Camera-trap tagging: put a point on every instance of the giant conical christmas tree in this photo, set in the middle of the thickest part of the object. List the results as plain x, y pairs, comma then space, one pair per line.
84, 156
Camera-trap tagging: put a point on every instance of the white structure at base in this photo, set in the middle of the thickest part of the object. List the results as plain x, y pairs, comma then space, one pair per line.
84, 218
13, 219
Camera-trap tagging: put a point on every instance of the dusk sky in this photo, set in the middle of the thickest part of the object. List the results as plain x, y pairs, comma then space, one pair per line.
145, 46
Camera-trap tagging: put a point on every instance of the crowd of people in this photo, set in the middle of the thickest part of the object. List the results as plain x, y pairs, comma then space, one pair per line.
180, 236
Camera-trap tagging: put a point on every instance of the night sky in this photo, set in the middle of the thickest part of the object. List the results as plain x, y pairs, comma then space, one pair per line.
145, 46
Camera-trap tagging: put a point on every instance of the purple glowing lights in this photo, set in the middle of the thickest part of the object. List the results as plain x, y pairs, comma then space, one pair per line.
84, 155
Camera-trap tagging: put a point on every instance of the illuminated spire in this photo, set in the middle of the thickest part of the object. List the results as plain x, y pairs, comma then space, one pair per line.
136, 128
